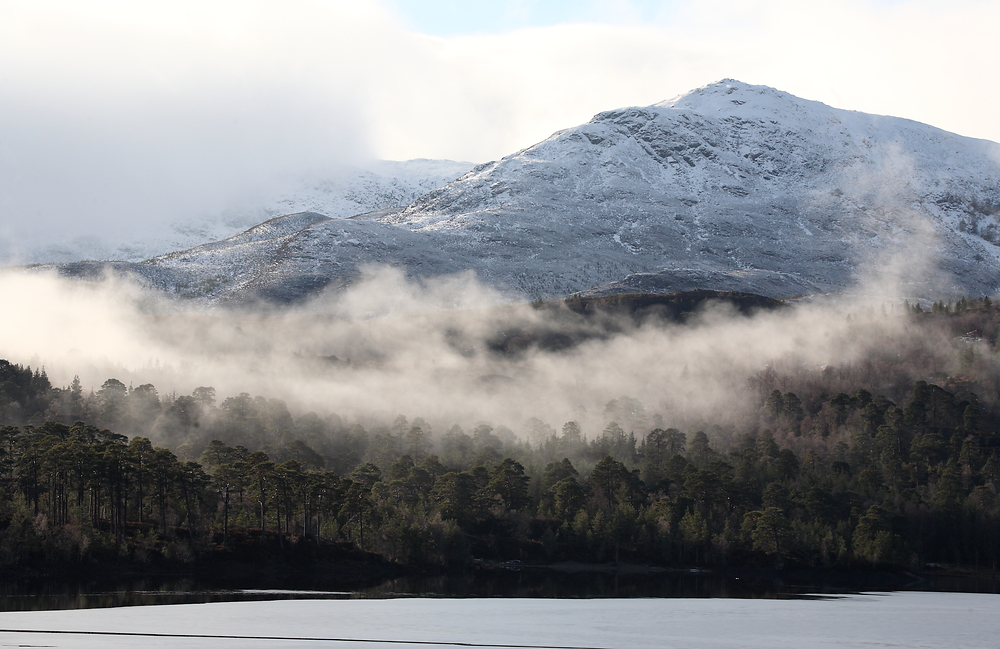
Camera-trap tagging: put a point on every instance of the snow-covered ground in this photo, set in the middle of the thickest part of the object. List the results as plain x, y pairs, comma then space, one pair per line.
910, 619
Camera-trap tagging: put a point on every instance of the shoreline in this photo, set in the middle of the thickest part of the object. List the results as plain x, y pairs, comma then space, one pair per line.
367, 577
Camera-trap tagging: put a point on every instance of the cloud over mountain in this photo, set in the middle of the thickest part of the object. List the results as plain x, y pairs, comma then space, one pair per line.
731, 186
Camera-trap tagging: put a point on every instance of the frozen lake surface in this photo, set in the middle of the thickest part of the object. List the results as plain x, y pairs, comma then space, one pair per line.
905, 619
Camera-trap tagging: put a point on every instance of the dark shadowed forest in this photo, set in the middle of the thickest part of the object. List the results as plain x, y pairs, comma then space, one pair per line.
892, 460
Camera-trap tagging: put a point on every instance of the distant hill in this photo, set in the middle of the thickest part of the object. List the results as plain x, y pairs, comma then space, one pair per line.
578, 319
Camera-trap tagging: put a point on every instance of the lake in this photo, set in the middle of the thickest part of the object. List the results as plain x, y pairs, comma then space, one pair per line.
901, 619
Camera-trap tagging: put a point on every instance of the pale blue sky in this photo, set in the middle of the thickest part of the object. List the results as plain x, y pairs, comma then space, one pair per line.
459, 17
454, 17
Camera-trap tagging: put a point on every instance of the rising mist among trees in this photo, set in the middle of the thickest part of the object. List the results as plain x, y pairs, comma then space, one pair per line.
886, 460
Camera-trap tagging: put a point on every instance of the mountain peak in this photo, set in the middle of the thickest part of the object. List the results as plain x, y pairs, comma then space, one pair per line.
732, 186
740, 99
725, 91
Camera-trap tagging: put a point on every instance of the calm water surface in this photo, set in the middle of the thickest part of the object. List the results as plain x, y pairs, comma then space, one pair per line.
25, 595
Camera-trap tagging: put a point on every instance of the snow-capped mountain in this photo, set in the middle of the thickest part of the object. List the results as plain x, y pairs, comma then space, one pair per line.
339, 193
729, 187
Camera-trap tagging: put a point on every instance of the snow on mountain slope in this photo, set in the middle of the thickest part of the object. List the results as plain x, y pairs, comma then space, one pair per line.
340, 193
760, 282
379, 185
733, 177
731, 187
286, 258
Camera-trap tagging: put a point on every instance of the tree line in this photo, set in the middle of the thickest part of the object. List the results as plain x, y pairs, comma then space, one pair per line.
906, 484
818, 475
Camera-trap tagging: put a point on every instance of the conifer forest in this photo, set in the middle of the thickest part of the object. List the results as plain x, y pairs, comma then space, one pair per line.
882, 462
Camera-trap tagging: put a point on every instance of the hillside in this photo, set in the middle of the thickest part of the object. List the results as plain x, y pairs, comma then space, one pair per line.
731, 187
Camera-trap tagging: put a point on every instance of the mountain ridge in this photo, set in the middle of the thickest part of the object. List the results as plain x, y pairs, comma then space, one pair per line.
729, 187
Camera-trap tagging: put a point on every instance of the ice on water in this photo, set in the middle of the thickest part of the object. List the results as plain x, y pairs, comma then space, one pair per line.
910, 619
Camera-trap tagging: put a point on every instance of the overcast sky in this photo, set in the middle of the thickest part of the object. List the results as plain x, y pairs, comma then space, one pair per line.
117, 113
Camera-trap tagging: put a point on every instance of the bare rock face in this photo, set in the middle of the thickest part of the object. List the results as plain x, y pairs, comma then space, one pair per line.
731, 187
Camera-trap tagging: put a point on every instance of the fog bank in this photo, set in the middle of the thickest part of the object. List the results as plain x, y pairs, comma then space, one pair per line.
447, 350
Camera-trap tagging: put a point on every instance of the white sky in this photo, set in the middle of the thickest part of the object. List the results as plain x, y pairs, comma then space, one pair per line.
119, 112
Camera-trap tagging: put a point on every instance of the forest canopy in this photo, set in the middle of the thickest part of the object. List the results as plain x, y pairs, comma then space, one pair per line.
882, 461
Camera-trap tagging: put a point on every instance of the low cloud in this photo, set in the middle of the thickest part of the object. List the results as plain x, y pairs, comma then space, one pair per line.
389, 346
117, 119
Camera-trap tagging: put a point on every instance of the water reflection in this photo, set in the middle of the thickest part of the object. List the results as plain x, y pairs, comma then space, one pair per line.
552, 584
26, 595
36, 596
